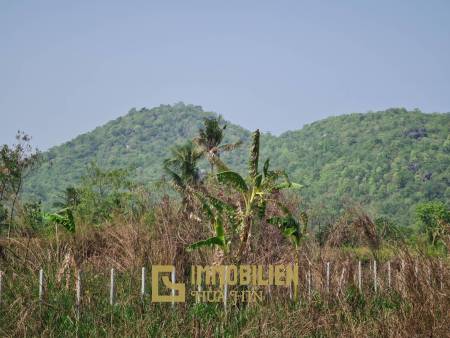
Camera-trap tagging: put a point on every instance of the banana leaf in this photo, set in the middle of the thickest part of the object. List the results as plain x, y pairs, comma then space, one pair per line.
233, 179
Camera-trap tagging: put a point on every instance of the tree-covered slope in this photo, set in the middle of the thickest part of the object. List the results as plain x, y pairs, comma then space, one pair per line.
139, 141
388, 161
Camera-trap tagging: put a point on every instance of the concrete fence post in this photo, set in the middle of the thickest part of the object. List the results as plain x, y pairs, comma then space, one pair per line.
309, 282
41, 285
112, 290
359, 277
1, 286
173, 282
375, 284
225, 288
143, 275
328, 277
389, 275
78, 288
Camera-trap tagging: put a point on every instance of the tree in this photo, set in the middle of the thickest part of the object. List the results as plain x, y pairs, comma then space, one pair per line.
100, 194
210, 138
15, 163
434, 220
70, 198
183, 170
182, 166
387, 230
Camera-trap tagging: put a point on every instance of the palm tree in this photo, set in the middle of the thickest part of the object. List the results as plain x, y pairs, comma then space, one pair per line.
210, 138
183, 170
182, 166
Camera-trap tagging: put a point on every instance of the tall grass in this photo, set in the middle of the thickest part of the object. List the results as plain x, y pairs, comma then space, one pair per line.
417, 305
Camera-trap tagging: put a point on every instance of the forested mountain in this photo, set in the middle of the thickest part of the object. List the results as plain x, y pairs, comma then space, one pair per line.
386, 161
139, 141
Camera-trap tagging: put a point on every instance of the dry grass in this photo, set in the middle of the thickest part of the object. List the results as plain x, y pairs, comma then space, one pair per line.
416, 305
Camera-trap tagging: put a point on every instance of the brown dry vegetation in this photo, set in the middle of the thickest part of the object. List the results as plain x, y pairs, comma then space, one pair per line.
417, 304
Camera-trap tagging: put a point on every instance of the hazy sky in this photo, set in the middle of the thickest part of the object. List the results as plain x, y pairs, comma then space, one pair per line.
69, 66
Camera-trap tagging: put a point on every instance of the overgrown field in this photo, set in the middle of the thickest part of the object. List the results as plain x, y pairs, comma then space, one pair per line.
360, 275
416, 305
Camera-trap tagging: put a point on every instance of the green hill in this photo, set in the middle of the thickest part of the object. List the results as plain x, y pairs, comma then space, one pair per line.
387, 161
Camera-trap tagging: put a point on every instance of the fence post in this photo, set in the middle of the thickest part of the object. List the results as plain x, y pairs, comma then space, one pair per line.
173, 282
41, 285
1, 284
143, 274
375, 275
112, 287
225, 288
199, 289
309, 282
341, 281
78, 289
78, 298
359, 277
389, 274
290, 291
328, 277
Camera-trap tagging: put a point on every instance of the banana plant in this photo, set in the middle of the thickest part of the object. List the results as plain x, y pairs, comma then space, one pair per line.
218, 240
63, 217
256, 191
290, 227
215, 210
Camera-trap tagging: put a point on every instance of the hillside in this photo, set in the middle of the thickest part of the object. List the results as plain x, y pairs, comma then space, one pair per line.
387, 161
139, 141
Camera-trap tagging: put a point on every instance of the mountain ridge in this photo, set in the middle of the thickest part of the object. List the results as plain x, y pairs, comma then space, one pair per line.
371, 158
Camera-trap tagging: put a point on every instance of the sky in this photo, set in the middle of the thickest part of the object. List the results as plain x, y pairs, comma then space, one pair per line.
67, 67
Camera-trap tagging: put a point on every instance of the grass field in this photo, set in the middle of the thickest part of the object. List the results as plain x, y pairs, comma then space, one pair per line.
416, 304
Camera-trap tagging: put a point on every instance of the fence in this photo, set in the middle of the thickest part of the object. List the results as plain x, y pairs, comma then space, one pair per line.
329, 279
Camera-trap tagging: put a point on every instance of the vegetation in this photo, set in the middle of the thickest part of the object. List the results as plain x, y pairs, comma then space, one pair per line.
434, 220
255, 193
107, 219
388, 162
183, 170
15, 163
210, 138
416, 305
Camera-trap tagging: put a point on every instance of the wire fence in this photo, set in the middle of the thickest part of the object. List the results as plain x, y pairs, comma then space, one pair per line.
328, 280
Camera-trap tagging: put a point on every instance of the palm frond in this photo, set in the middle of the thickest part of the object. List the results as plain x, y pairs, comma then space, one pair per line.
229, 146
176, 180
219, 164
